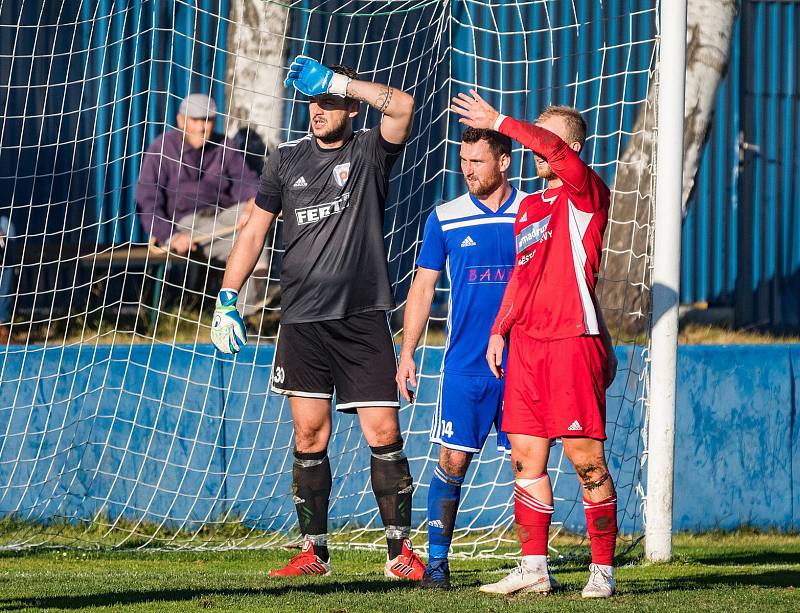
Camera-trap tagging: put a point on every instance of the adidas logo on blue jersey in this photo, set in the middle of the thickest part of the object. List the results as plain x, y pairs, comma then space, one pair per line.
468, 242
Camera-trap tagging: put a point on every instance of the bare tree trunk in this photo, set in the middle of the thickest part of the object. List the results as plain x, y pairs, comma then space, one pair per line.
710, 29
623, 288
255, 70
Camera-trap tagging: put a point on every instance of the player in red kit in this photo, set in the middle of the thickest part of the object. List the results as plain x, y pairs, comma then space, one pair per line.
560, 358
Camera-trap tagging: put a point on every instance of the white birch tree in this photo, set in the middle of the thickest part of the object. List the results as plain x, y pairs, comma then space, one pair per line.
623, 292
255, 67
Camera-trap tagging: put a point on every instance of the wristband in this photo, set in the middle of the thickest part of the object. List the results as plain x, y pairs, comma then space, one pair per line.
498, 121
338, 84
227, 296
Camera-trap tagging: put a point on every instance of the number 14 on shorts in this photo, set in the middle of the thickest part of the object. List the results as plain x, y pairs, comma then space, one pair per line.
447, 429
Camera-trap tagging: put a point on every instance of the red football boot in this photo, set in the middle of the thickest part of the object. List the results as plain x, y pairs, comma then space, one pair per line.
407, 565
305, 563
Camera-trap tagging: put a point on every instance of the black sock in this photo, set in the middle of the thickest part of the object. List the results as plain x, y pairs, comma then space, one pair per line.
393, 486
311, 487
394, 547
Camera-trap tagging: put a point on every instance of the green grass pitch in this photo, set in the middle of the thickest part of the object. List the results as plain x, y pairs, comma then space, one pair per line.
734, 572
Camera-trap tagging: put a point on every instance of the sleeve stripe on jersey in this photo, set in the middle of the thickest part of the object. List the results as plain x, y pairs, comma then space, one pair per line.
501, 326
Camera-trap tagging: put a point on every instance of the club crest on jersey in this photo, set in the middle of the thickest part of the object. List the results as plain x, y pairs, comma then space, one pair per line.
340, 173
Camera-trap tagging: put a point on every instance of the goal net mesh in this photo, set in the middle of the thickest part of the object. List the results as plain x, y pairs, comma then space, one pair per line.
119, 424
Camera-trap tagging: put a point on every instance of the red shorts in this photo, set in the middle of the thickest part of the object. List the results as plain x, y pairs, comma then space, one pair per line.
555, 388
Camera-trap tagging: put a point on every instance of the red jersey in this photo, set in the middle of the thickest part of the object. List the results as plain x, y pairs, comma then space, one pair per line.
559, 242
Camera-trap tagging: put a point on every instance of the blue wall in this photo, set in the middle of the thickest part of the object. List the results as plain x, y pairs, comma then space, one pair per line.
738, 437
176, 435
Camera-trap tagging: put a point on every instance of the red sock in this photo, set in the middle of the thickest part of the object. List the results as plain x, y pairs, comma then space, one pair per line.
533, 522
601, 524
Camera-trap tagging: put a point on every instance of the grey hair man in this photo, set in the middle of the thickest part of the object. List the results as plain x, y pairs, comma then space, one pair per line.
195, 191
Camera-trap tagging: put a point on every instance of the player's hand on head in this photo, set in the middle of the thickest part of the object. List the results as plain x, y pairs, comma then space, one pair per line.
406, 374
494, 354
474, 110
311, 78
227, 328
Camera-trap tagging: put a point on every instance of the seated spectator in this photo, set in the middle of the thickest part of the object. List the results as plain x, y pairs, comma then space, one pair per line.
195, 191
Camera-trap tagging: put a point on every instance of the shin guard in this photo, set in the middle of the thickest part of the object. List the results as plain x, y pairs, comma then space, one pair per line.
311, 488
393, 486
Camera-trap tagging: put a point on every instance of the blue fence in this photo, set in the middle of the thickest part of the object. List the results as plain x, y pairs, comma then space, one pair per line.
741, 239
89, 85
107, 76
103, 429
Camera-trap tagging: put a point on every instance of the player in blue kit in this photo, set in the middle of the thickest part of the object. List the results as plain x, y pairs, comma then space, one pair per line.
473, 238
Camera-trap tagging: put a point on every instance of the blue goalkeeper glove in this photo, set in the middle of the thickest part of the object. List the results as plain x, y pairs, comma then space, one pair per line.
227, 328
311, 78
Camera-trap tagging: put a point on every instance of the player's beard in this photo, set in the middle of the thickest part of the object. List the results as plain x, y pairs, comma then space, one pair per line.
543, 171
332, 132
483, 188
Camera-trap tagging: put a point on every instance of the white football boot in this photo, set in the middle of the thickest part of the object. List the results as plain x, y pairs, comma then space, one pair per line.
600, 584
524, 580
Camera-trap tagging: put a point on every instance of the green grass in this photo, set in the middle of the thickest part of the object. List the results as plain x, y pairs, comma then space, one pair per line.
738, 572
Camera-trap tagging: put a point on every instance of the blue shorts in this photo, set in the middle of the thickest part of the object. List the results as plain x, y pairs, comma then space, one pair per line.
468, 407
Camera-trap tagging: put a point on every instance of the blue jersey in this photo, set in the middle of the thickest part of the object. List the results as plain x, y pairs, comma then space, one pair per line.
476, 245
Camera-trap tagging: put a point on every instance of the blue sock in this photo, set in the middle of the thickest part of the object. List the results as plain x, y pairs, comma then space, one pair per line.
443, 496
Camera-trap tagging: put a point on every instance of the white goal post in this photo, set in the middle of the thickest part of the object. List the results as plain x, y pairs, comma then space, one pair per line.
666, 281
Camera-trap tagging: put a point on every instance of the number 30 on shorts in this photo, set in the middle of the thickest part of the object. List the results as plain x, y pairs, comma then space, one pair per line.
279, 375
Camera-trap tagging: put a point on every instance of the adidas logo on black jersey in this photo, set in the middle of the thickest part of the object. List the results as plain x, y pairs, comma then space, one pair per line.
468, 242
301, 182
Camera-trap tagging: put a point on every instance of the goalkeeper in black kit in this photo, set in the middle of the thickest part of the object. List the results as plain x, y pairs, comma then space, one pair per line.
331, 187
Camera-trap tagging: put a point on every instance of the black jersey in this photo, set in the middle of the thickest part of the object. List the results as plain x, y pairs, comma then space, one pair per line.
333, 202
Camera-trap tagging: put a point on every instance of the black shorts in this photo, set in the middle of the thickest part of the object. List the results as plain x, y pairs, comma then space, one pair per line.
353, 356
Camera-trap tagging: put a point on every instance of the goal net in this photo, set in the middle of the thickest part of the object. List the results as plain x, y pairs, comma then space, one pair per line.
119, 424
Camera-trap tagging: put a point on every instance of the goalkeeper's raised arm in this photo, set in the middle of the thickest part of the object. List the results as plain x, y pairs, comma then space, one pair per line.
311, 78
